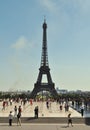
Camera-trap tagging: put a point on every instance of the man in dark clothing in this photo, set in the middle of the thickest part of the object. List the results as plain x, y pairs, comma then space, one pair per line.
69, 120
36, 111
82, 111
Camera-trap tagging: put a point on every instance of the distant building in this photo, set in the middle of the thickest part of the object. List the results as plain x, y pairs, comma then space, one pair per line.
79, 91
61, 91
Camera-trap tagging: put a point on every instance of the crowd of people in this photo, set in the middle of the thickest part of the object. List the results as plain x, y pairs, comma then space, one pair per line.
64, 105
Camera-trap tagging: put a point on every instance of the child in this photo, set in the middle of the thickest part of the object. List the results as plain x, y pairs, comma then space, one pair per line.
10, 118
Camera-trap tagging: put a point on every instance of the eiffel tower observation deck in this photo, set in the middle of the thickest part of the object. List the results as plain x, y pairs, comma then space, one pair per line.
44, 69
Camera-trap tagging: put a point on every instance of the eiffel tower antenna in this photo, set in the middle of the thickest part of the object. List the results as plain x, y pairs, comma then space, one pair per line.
44, 58
44, 19
44, 70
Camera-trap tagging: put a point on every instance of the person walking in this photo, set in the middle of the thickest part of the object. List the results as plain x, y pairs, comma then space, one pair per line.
69, 119
10, 118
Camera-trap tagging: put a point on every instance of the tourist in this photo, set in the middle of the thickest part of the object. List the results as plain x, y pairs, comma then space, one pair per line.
10, 118
69, 119
11, 102
4, 103
82, 111
15, 111
19, 118
36, 112
19, 109
47, 104
60, 107
31, 103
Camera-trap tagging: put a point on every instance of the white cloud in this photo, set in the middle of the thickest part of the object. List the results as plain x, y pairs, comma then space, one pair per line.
23, 43
49, 5
84, 6
80, 6
20, 43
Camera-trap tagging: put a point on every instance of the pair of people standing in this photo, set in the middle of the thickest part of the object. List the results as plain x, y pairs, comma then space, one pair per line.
15, 115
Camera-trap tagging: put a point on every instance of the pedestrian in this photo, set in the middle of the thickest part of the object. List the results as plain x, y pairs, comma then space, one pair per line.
19, 109
60, 107
69, 119
4, 103
10, 118
15, 111
47, 104
36, 111
19, 118
82, 111
31, 103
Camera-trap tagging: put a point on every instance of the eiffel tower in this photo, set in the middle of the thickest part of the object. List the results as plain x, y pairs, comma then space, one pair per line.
44, 70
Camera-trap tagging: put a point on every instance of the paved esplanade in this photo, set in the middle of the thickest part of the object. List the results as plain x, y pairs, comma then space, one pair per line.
43, 127
28, 110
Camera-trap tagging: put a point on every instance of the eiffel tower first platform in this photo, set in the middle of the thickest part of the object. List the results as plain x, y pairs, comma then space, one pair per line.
44, 70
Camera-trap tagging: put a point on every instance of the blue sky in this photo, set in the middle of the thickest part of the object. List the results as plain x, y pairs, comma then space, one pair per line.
68, 37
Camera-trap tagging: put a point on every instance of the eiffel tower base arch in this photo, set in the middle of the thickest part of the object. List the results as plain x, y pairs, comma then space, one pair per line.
44, 87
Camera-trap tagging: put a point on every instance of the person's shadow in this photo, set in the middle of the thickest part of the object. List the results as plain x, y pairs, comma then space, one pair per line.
65, 126
87, 121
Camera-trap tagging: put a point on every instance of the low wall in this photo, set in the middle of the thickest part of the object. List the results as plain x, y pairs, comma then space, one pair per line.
61, 120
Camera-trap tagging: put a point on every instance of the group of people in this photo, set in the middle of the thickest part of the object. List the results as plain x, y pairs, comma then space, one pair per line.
36, 116
16, 114
17, 111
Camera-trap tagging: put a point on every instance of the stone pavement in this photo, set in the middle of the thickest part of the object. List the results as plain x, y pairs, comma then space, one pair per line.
28, 110
44, 127
51, 115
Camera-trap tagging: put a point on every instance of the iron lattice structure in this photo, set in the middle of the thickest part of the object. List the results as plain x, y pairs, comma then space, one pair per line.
44, 70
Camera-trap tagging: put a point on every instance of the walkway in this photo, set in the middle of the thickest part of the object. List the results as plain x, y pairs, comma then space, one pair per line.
44, 127
28, 110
